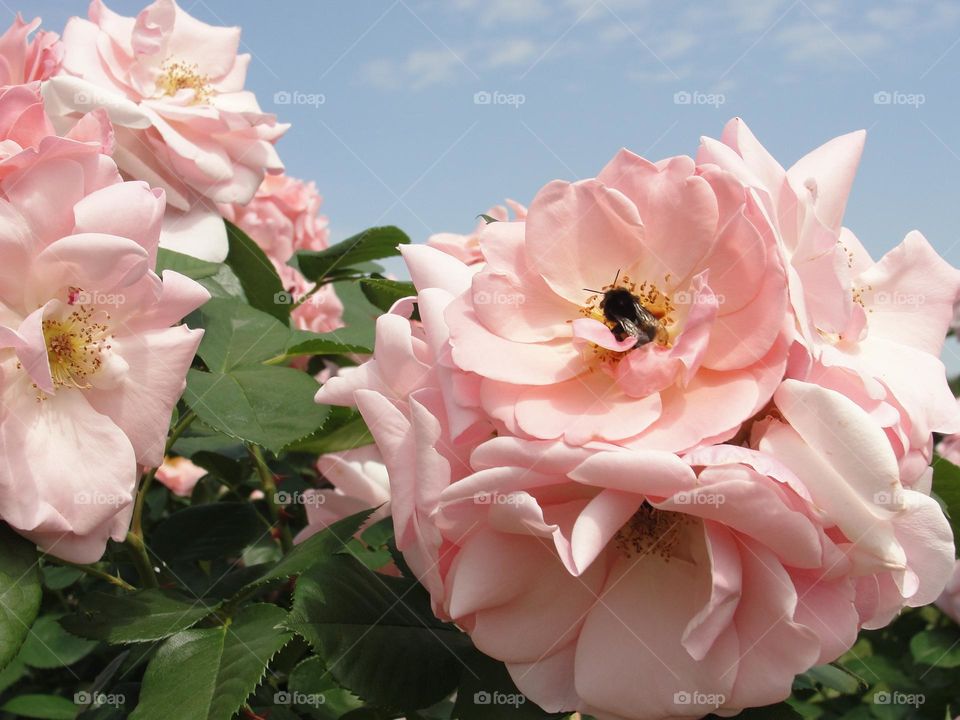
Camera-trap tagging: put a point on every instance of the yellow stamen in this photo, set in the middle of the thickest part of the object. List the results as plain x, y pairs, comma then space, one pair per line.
75, 347
179, 76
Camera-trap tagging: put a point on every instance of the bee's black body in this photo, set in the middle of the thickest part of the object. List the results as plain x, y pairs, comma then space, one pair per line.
630, 319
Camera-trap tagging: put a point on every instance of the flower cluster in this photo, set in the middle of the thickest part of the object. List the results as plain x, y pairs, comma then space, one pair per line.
120, 137
663, 442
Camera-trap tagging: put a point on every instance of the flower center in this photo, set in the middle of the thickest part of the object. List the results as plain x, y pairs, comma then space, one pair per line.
179, 76
652, 531
75, 346
629, 310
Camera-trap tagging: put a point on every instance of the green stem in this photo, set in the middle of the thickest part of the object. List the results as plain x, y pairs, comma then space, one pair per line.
269, 486
92, 572
136, 525
134, 541
306, 296
138, 551
326, 281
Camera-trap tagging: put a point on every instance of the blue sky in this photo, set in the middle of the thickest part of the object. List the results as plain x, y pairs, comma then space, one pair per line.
400, 139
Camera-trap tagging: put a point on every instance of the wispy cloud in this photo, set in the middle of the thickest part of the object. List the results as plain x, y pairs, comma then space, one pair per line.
418, 70
665, 43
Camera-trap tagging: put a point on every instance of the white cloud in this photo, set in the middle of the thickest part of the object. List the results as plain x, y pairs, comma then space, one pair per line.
503, 12
810, 42
420, 69
508, 53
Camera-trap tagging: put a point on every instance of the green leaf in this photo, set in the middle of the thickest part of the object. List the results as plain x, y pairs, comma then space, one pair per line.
257, 275
345, 429
185, 264
12, 673
225, 284
265, 405
313, 689
946, 486
377, 634
383, 293
780, 711
208, 673
487, 692
207, 532
940, 648
20, 592
143, 616
58, 577
372, 244
329, 541
323, 344
237, 335
47, 707
487, 218
831, 677
50, 646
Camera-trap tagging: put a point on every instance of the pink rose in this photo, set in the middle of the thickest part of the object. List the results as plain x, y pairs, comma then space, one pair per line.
96, 367
872, 330
24, 124
466, 248
24, 60
359, 480
646, 307
949, 601
179, 475
283, 217
174, 89
623, 582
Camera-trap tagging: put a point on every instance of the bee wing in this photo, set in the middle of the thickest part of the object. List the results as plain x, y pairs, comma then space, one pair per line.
646, 320
632, 329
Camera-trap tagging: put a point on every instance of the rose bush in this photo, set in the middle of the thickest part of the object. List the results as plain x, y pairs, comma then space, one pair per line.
666, 443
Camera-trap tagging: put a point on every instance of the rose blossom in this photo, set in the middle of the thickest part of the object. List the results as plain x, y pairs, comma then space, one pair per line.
24, 124
691, 260
24, 59
700, 565
283, 217
872, 330
618, 582
359, 480
180, 475
466, 248
93, 367
174, 89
